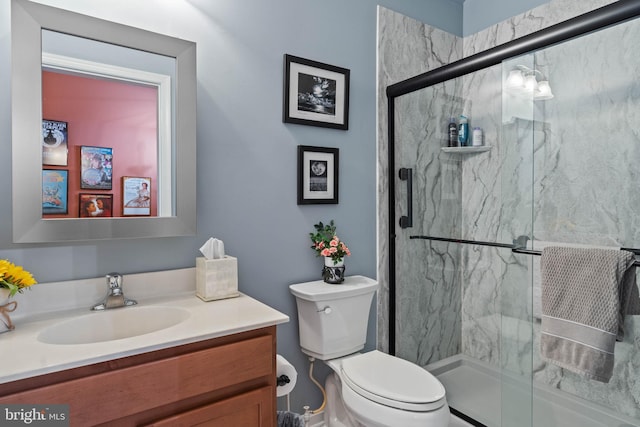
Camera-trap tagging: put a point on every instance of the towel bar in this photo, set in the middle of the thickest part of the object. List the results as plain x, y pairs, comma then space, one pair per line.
518, 246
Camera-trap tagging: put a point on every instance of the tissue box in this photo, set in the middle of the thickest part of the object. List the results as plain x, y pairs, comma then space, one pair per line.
216, 278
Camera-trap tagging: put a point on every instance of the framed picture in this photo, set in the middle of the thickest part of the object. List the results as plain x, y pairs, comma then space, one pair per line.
54, 143
95, 205
317, 175
136, 196
96, 168
55, 183
315, 94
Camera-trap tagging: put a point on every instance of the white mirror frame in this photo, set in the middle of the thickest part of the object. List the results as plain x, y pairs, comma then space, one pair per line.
27, 22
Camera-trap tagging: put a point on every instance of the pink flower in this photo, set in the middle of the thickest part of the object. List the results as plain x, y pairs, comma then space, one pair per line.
326, 243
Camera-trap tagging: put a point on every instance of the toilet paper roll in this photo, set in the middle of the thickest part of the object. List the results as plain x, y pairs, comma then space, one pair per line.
286, 376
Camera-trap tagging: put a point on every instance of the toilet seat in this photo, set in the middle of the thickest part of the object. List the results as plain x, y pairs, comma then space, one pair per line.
393, 382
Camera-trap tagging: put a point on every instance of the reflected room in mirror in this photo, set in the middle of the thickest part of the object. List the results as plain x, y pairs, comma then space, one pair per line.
102, 101
106, 120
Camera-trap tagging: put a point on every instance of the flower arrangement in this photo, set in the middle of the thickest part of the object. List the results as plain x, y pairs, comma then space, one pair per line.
327, 244
14, 277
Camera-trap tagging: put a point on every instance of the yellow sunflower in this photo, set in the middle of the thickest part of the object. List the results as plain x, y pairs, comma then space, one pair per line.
14, 277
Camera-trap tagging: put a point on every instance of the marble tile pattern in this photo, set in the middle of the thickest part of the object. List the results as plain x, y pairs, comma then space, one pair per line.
559, 170
427, 289
406, 48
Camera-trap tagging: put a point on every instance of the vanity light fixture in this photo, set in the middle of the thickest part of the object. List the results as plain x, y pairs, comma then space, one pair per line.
524, 81
515, 81
544, 91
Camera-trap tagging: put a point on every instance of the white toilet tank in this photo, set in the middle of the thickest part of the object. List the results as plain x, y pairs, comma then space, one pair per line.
333, 319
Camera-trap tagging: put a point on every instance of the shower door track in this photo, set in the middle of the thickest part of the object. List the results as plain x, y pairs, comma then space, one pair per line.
614, 13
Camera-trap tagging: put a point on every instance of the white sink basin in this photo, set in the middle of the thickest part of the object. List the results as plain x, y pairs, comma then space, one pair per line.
113, 324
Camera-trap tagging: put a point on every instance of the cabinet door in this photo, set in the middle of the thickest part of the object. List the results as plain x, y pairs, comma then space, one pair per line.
251, 409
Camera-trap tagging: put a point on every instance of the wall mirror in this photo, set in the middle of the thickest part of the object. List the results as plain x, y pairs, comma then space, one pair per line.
152, 148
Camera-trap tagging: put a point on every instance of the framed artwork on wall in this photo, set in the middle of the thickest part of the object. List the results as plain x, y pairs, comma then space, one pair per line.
54, 143
136, 196
96, 168
315, 94
95, 205
317, 175
55, 191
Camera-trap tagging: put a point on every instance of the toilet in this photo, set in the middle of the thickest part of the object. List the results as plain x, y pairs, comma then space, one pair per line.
371, 389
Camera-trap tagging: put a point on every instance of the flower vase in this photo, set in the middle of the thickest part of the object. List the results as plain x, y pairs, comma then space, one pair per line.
6, 307
333, 272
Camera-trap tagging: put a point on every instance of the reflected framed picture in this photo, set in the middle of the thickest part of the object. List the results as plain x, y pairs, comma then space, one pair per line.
54, 143
55, 183
95, 205
315, 94
96, 168
317, 175
136, 196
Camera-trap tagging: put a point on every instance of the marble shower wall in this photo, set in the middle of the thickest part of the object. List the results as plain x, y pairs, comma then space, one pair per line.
406, 48
585, 179
561, 170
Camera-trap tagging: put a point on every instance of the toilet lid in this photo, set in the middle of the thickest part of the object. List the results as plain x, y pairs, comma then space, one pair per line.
393, 382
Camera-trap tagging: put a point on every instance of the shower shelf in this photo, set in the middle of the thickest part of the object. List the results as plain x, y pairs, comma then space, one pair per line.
466, 150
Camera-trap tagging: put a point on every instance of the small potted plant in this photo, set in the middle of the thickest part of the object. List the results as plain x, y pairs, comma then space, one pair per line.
327, 244
13, 279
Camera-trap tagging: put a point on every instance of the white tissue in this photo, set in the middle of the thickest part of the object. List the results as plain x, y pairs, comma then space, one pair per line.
283, 367
213, 249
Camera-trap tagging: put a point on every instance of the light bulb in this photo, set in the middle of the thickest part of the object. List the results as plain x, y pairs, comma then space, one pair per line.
515, 80
530, 83
544, 91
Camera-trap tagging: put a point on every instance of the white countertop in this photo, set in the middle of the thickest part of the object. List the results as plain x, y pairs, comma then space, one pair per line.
206, 320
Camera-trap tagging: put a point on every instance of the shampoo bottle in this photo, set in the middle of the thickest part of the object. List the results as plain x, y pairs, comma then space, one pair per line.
453, 133
476, 138
463, 131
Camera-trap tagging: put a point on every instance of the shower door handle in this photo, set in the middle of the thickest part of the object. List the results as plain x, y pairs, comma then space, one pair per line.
406, 174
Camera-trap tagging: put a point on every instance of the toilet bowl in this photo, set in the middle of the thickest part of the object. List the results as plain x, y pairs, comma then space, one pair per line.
371, 389
375, 389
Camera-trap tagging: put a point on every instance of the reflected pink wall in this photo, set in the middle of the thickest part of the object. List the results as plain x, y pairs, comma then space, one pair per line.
104, 113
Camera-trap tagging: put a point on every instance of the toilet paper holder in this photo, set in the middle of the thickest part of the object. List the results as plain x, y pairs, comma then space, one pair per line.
286, 376
283, 380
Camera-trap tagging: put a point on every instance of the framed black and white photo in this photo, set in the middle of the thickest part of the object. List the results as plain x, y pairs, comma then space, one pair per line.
317, 175
315, 94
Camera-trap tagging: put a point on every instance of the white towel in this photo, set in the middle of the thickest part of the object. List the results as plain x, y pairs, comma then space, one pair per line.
534, 268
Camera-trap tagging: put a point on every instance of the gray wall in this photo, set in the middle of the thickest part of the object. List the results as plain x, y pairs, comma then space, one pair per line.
246, 155
481, 14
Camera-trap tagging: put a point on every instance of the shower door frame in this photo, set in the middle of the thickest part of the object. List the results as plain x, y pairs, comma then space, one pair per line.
612, 14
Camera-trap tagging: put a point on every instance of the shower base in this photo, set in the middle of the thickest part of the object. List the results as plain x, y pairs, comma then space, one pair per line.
495, 399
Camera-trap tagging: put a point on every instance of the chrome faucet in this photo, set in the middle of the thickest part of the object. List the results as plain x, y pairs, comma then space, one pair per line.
115, 297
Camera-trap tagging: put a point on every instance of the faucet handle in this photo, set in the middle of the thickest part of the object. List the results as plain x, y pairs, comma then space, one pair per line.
115, 296
114, 282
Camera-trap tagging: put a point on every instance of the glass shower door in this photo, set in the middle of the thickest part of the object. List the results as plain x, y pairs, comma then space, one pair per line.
428, 299
447, 296
521, 129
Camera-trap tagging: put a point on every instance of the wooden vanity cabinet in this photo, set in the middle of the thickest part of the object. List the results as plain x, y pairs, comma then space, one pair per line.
226, 381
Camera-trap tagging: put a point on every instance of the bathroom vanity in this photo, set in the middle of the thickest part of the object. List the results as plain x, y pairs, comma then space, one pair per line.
224, 381
215, 365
